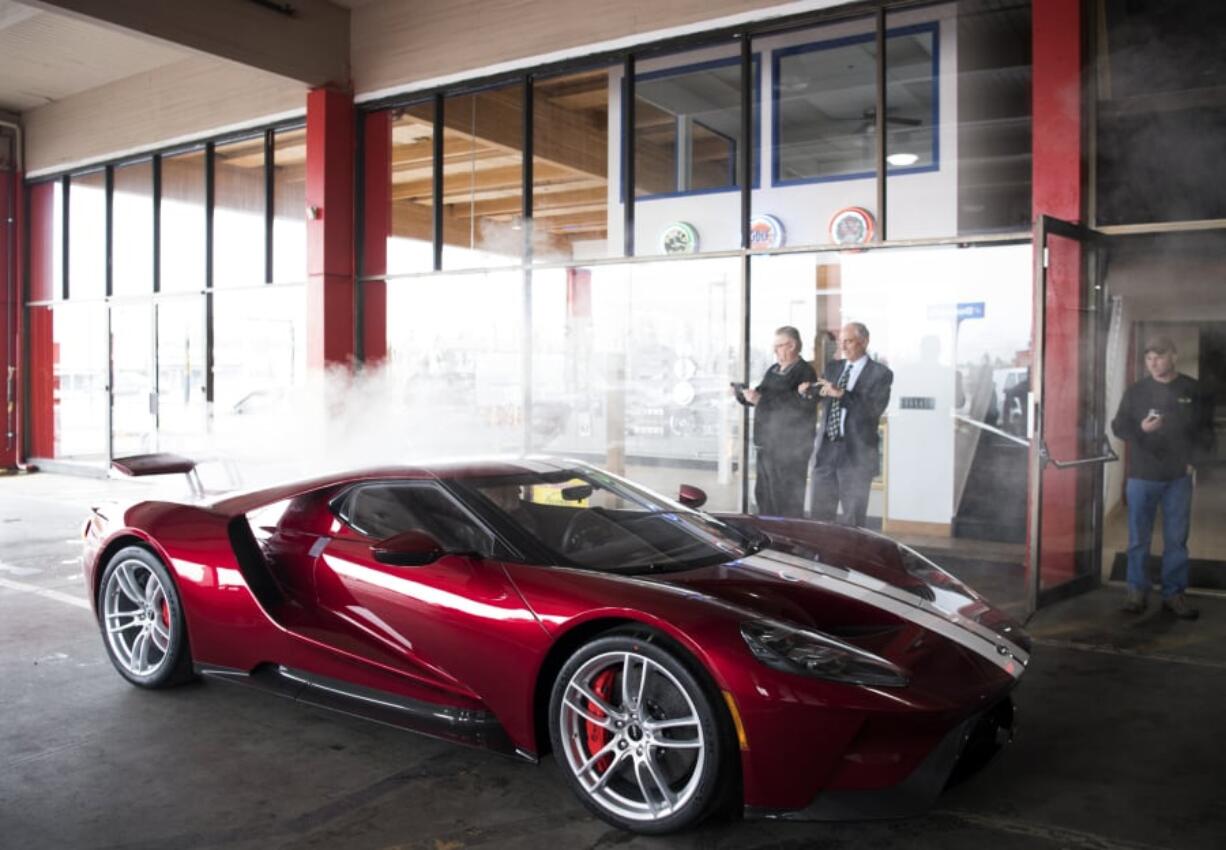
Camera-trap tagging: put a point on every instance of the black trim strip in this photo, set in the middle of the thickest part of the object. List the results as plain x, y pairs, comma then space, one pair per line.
630, 150
65, 191
209, 191
270, 200
157, 224
109, 228
437, 182
881, 124
464, 726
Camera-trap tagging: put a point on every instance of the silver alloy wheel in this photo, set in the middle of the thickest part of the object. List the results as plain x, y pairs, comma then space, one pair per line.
136, 616
638, 750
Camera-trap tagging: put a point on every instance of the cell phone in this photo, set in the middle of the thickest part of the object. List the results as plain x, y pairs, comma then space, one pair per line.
739, 386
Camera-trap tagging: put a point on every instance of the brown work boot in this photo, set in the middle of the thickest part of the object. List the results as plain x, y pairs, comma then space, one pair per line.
1135, 603
1179, 606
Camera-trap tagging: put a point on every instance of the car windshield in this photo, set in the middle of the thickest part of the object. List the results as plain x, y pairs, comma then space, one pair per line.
588, 518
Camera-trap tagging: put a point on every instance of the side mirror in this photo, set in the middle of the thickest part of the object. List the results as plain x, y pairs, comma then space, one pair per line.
691, 496
408, 549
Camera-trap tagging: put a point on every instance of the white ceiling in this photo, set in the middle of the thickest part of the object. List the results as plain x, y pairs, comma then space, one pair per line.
46, 57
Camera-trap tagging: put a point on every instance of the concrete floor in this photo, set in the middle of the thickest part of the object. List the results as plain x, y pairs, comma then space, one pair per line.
1119, 743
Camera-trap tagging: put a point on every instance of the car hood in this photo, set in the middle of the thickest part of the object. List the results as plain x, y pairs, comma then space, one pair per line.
859, 586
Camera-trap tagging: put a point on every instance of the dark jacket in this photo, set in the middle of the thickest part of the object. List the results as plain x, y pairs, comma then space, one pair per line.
864, 405
783, 419
1186, 435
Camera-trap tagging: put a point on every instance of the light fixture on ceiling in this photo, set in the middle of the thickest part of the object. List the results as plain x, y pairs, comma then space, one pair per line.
902, 160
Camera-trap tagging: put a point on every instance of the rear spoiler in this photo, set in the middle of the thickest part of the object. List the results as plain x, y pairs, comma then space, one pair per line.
160, 463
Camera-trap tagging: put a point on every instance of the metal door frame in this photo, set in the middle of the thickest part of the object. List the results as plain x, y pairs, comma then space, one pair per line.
1040, 457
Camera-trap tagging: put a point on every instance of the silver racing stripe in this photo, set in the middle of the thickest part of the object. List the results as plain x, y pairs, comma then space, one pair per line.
976, 637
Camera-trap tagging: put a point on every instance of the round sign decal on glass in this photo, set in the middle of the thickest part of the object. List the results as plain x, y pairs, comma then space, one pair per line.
852, 226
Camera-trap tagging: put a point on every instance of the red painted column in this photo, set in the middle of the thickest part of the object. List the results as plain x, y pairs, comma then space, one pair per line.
377, 227
1057, 191
329, 198
10, 310
44, 282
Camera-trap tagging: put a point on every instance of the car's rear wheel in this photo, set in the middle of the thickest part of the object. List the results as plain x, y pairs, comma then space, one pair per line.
638, 735
142, 622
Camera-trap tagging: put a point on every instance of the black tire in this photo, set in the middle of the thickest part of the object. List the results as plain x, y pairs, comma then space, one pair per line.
695, 761
139, 599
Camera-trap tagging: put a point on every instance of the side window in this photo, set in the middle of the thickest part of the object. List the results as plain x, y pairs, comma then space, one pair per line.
384, 510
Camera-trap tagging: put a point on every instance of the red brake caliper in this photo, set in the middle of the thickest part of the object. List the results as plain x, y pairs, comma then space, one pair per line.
597, 736
166, 613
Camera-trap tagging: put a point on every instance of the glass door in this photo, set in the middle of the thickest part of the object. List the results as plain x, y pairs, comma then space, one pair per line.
1066, 418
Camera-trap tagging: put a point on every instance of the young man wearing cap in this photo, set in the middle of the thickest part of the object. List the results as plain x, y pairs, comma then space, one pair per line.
1163, 419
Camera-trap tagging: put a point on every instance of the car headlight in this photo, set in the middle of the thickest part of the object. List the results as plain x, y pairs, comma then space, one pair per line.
810, 653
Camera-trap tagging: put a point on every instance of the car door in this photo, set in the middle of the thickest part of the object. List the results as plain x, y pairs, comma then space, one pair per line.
456, 625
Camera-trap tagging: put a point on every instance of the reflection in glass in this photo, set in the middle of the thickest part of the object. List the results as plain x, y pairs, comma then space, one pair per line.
483, 178
687, 127
133, 404
132, 247
87, 236
46, 240
954, 326
630, 369
455, 366
570, 187
182, 223
410, 213
238, 213
289, 258
79, 367
259, 350
978, 176
181, 407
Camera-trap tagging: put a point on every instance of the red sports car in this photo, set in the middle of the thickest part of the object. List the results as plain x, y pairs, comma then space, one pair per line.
675, 661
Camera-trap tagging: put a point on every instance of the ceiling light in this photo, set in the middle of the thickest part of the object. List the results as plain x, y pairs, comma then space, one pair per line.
902, 159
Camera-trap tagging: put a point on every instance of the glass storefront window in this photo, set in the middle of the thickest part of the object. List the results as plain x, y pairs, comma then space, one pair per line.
259, 368
132, 246
400, 175
954, 325
483, 178
133, 381
79, 360
87, 235
181, 408
238, 213
1160, 116
687, 150
454, 371
289, 244
630, 369
46, 245
182, 223
973, 62
571, 193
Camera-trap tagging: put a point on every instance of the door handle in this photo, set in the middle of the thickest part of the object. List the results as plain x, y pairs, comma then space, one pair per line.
1107, 456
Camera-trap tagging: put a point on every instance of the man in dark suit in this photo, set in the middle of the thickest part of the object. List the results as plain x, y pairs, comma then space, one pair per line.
854, 393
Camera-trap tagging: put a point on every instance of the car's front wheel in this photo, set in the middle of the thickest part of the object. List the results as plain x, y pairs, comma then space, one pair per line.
142, 622
639, 736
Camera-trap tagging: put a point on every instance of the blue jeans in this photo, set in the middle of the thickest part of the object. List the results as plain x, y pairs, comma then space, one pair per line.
1143, 500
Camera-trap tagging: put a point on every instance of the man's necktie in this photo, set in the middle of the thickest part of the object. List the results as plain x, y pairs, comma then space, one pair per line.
834, 424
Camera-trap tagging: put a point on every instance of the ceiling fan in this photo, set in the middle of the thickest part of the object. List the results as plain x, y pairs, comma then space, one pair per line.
868, 120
